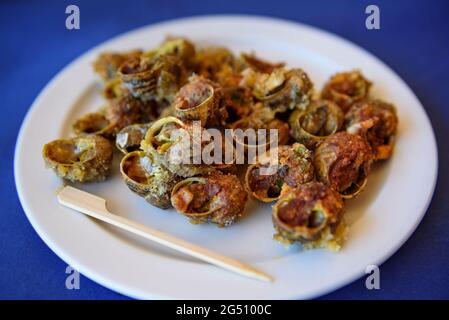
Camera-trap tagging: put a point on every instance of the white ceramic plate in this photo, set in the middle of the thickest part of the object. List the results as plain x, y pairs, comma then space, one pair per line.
380, 220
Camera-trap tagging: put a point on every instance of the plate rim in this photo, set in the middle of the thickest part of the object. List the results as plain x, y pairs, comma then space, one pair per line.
113, 286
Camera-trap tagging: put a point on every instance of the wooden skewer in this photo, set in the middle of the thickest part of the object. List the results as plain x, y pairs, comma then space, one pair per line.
95, 207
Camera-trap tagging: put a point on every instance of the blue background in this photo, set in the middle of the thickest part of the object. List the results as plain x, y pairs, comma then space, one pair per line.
34, 46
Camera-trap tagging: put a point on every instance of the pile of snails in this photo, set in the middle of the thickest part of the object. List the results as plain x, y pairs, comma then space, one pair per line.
327, 140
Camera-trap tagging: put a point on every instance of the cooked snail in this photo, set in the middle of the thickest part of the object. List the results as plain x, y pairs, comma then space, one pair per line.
343, 161
280, 90
377, 122
259, 118
282, 128
199, 100
346, 88
113, 89
108, 63
311, 215
148, 179
217, 64
258, 64
216, 198
249, 140
82, 159
93, 123
172, 143
130, 137
237, 101
152, 79
138, 77
181, 48
118, 114
319, 120
294, 168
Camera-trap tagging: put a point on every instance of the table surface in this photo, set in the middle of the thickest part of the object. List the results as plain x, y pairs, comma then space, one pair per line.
413, 40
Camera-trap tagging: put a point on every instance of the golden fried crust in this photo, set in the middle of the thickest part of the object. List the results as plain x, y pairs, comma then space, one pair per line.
283, 130
181, 48
320, 119
82, 159
126, 110
129, 138
199, 99
153, 78
260, 65
343, 160
148, 179
165, 142
346, 88
217, 64
217, 198
294, 168
118, 114
299, 161
280, 90
108, 63
237, 101
305, 212
377, 122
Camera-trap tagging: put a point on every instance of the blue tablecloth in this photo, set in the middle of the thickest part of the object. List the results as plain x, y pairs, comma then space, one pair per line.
35, 45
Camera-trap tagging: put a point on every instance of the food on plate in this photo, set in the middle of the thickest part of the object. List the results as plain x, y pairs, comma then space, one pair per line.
169, 109
377, 122
343, 161
281, 90
171, 141
108, 63
115, 116
261, 117
199, 100
216, 198
319, 120
346, 88
217, 64
237, 101
312, 215
283, 130
153, 78
148, 179
82, 159
130, 137
266, 181
253, 141
182, 49
259, 65
114, 89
